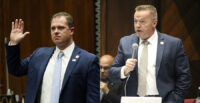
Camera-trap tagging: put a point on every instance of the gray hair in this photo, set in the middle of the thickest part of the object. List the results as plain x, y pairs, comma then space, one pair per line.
148, 7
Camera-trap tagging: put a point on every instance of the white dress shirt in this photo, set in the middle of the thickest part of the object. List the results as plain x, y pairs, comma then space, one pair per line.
151, 70
48, 75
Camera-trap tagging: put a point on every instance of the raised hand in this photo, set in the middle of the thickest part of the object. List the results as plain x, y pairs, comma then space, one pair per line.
17, 34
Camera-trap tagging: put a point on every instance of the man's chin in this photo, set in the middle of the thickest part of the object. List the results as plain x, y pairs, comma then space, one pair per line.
58, 44
139, 34
142, 36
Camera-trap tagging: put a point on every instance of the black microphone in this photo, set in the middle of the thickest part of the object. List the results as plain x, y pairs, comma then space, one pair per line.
134, 48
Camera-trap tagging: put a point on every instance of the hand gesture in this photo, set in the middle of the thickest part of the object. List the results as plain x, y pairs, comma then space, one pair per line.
130, 65
104, 87
17, 34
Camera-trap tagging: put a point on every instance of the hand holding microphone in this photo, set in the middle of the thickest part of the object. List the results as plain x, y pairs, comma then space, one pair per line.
130, 65
131, 62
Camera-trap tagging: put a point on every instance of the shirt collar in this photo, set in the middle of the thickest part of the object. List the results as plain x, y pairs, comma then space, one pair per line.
152, 39
67, 51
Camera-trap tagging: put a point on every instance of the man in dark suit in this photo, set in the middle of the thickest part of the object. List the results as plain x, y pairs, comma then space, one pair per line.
161, 67
110, 92
78, 80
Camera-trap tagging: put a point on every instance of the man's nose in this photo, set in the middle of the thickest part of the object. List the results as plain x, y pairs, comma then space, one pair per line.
56, 30
101, 70
138, 24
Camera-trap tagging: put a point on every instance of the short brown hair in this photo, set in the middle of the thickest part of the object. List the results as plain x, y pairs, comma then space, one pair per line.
148, 7
69, 18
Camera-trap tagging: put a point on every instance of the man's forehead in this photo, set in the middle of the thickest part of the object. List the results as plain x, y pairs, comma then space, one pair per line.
142, 14
59, 18
60, 21
142, 10
140, 17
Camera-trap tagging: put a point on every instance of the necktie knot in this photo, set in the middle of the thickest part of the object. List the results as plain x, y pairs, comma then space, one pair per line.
60, 54
145, 42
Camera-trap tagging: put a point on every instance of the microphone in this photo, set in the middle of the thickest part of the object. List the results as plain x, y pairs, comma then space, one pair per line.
134, 48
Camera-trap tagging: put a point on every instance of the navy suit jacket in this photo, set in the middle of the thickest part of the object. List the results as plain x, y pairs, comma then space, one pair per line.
173, 75
81, 80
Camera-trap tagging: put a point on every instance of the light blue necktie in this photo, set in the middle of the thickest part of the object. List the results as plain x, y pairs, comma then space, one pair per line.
55, 89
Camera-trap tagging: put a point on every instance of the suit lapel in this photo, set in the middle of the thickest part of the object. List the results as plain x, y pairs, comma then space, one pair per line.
45, 59
160, 50
71, 65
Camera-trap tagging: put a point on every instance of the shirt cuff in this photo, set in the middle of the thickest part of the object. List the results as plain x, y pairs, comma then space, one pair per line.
9, 44
122, 76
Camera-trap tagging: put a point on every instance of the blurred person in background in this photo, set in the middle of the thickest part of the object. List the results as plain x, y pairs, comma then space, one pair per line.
109, 92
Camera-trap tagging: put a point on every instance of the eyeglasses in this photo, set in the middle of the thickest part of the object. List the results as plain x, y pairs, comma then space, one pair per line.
105, 68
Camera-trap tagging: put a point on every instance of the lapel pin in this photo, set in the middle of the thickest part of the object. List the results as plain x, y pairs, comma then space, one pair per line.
73, 60
77, 56
161, 42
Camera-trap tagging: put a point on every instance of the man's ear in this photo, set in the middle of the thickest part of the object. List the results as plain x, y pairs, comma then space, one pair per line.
72, 30
155, 23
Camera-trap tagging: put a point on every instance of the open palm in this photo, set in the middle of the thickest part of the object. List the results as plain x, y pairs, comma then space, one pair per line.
17, 34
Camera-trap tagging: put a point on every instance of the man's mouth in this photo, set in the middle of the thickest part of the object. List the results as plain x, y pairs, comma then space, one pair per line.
139, 30
56, 37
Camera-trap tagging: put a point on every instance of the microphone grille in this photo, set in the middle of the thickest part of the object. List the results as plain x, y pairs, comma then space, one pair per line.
134, 45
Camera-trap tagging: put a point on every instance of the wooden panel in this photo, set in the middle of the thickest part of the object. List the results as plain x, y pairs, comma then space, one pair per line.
2, 54
36, 15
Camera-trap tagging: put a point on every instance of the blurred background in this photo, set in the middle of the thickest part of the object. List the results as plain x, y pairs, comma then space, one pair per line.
99, 25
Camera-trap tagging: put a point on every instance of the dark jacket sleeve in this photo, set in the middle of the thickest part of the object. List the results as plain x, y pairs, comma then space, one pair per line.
16, 66
182, 77
115, 70
93, 82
